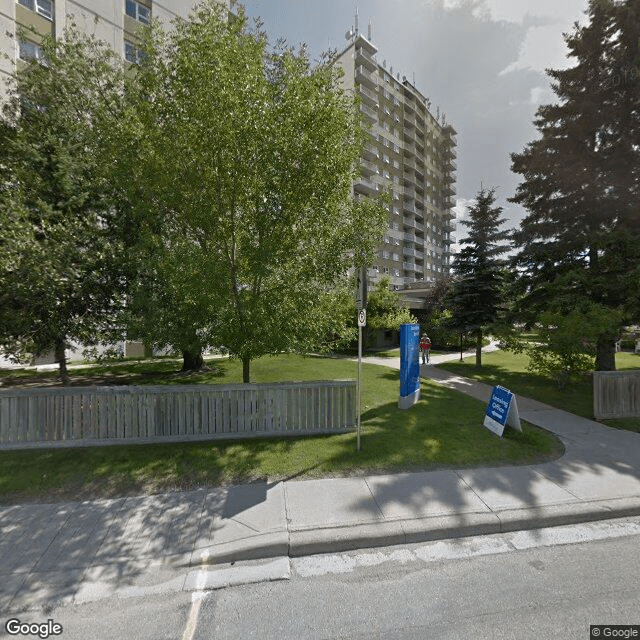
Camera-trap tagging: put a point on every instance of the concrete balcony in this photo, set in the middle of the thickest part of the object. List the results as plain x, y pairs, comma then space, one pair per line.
370, 113
409, 222
363, 185
413, 253
365, 59
409, 191
409, 207
368, 96
371, 152
409, 149
365, 77
368, 168
450, 152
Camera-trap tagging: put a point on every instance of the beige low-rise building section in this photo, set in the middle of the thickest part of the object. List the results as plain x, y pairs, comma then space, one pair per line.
114, 21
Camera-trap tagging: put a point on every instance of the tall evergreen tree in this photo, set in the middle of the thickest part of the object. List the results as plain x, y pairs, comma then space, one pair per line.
580, 242
476, 298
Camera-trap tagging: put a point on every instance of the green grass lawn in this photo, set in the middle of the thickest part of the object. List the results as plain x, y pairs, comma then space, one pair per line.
510, 371
442, 430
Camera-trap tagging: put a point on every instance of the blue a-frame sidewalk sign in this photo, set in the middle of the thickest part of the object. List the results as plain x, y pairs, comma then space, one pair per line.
502, 411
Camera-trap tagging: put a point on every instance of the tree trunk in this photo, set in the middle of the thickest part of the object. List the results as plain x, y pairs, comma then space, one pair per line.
461, 336
61, 359
192, 360
246, 363
479, 348
606, 354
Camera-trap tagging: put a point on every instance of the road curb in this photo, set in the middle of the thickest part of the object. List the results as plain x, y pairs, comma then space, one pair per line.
268, 545
388, 533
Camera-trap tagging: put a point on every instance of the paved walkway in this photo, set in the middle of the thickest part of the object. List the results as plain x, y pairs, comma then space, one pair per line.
78, 552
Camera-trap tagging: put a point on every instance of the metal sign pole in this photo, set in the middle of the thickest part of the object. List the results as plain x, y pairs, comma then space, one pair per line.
362, 322
359, 380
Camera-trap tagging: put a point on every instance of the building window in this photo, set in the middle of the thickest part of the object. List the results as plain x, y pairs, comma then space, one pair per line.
30, 51
138, 11
132, 53
43, 7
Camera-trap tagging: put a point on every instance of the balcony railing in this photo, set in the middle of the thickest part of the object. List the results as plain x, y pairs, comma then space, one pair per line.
409, 192
409, 207
363, 75
363, 184
370, 96
368, 168
370, 113
413, 253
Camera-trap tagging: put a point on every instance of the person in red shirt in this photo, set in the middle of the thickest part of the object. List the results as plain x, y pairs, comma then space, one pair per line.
425, 347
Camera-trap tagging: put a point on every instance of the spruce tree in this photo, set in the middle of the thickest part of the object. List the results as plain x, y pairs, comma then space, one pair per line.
579, 245
477, 292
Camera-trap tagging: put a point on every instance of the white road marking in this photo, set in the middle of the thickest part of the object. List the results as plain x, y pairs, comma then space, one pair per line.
196, 602
458, 548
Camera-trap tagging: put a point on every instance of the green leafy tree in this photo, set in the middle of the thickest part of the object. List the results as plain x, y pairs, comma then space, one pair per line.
477, 296
244, 159
566, 344
385, 309
579, 245
63, 281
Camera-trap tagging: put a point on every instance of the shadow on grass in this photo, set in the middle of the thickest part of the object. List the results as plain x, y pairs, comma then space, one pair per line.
145, 373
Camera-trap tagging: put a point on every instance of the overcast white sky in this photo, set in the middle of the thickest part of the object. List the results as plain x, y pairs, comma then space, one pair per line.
481, 61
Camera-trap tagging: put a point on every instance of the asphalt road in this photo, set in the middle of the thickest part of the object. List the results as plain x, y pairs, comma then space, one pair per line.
526, 585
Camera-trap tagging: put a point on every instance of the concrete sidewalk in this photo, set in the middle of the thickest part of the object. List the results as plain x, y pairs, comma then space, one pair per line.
77, 552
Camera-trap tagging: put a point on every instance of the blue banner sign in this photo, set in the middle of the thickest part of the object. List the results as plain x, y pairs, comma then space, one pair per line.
409, 359
502, 410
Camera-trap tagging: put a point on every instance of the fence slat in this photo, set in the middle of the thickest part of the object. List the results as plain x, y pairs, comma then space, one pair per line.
616, 394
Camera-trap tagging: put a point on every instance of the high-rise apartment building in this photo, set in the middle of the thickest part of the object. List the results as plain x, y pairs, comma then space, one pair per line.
114, 21
410, 154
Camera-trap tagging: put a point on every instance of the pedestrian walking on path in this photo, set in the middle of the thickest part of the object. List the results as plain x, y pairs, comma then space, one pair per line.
425, 347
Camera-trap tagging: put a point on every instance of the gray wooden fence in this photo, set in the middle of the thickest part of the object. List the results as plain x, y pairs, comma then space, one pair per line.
616, 394
75, 416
